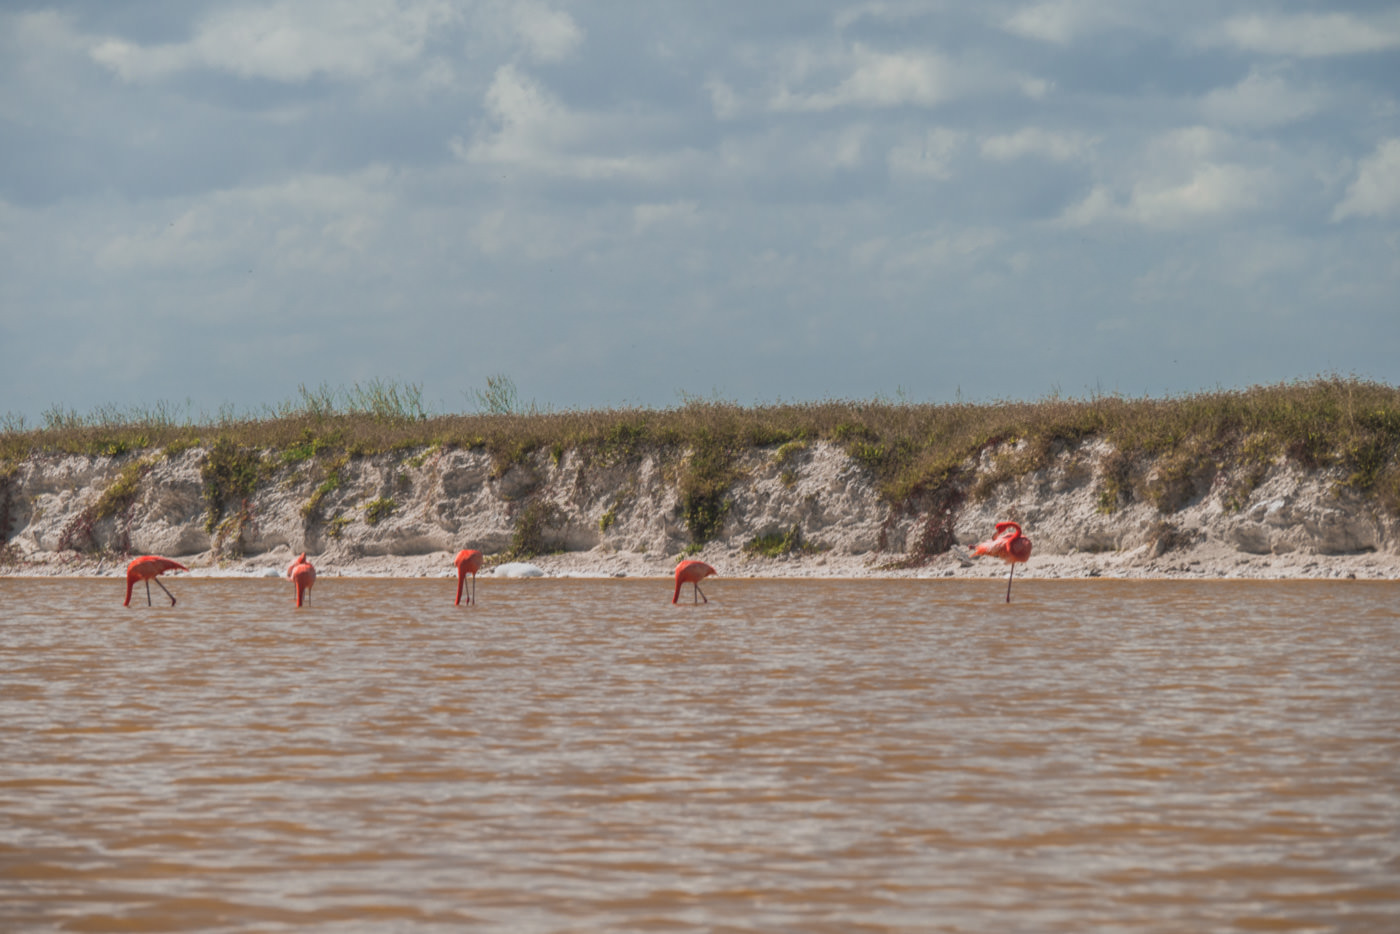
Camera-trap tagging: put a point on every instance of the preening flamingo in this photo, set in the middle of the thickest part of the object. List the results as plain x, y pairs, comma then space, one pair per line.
303, 575
468, 561
692, 572
147, 568
1009, 545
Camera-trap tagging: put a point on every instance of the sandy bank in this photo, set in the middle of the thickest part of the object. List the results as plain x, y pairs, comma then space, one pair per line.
406, 514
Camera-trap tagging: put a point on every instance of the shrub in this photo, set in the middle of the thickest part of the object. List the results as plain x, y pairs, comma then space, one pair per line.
379, 509
532, 526
704, 486
777, 544
311, 509
230, 472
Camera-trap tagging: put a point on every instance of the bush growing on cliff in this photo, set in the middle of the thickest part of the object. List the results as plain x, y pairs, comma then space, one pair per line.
777, 544
231, 474
533, 523
378, 509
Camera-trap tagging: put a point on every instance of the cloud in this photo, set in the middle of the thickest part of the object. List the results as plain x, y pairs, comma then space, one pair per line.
1310, 35
289, 41
1376, 190
310, 222
723, 101
646, 216
535, 132
1261, 99
1212, 191
1058, 147
1186, 179
548, 35
1062, 21
878, 79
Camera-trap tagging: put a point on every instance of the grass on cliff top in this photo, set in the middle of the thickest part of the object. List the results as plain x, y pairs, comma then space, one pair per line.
913, 451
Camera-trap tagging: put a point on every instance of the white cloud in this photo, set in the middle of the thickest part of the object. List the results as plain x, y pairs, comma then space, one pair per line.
1261, 100
549, 35
1059, 147
1036, 88
878, 79
1376, 190
896, 11
320, 222
926, 250
290, 41
1213, 191
930, 156
535, 132
1185, 177
1062, 21
1311, 35
646, 216
723, 100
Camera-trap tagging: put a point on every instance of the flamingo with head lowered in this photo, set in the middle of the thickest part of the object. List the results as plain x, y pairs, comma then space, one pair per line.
303, 576
692, 572
1009, 545
147, 568
468, 561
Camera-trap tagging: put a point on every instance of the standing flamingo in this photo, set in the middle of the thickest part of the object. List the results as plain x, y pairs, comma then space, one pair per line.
303, 575
147, 568
468, 561
692, 572
1009, 545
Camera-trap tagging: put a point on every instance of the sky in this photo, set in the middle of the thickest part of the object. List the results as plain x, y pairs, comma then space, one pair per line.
211, 203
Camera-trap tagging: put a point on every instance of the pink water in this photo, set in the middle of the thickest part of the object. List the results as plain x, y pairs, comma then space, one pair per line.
813, 756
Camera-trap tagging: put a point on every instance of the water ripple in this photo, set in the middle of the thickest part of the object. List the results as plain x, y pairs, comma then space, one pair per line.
796, 755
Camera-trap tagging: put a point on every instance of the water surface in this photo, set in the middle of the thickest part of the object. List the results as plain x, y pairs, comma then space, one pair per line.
794, 756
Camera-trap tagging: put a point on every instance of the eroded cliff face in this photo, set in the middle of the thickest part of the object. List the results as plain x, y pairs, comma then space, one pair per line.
629, 514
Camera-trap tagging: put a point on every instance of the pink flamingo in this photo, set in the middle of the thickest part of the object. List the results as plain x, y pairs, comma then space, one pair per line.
692, 572
468, 561
303, 575
1009, 545
147, 568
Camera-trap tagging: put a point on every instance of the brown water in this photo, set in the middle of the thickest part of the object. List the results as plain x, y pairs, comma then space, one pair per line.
795, 756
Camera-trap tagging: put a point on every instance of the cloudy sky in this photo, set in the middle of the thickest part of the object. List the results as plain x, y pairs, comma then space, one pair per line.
212, 203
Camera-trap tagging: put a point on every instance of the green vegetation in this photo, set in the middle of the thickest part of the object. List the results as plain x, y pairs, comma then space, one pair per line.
777, 544
9, 554
378, 509
116, 500
1115, 482
705, 484
311, 510
920, 456
533, 523
118, 497
421, 458
231, 473
337, 525
228, 536
784, 458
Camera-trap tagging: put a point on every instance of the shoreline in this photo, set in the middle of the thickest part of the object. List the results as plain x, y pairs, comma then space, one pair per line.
1202, 563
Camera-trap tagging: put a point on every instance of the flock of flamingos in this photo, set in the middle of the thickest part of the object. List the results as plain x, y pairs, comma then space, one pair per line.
1007, 543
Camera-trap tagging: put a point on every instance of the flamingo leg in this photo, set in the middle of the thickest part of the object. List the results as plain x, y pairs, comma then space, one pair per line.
1008, 583
162, 587
473, 590
148, 592
701, 593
